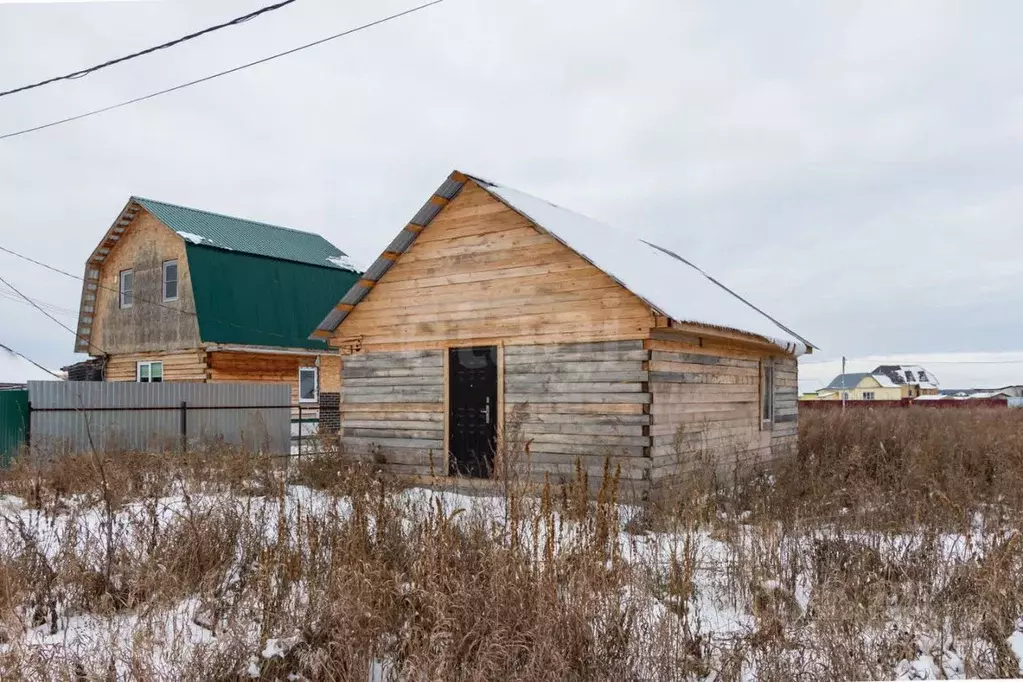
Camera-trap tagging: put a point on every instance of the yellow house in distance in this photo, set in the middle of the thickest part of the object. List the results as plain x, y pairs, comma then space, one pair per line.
886, 382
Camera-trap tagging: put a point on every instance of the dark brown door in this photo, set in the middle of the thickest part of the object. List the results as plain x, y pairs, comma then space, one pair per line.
473, 410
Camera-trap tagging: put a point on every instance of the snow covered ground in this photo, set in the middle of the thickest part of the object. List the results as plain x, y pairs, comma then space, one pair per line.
718, 606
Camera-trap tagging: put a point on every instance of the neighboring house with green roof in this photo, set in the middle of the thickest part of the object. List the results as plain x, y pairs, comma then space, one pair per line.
179, 294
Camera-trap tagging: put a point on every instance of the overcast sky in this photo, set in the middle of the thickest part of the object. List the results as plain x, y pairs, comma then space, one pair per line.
854, 168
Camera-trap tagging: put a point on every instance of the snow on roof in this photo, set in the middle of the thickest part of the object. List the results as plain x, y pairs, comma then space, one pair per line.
666, 281
194, 238
934, 397
884, 380
343, 261
15, 369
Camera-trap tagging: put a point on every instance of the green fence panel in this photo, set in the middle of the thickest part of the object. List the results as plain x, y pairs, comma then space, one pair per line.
13, 424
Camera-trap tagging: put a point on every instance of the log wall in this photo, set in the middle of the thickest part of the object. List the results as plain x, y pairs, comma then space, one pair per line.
579, 404
706, 408
392, 410
185, 365
785, 430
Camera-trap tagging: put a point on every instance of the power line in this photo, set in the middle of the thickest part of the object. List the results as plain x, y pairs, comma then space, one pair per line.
191, 36
221, 73
56, 309
76, 334
28, 359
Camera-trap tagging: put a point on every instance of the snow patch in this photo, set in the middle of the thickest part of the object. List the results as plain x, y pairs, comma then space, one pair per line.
343, 261
194, 238
1016, 644
279, 647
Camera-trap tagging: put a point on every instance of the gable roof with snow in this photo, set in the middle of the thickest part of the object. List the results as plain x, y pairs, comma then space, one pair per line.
671, 285
252, 283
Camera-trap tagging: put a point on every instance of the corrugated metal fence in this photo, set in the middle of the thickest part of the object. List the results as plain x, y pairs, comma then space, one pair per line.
13, 423
79, 416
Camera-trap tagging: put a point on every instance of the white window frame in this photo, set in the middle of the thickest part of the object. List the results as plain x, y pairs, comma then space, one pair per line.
121, 288
177, 281
868, 395
148, 364
767, 392
316, 384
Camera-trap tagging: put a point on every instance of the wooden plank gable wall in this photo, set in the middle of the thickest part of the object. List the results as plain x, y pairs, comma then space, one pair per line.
581, 377
481, 271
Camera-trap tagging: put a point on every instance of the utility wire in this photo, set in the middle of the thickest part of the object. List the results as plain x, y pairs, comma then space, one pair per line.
221, 73
28, 359
191, 36
76, 334
138, 299
56, 309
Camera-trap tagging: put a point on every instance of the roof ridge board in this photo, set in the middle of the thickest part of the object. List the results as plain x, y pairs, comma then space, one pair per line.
139, 200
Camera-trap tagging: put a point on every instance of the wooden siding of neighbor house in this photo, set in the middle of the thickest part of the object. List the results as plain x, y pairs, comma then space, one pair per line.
392, 410
150, 324
273, 368
481, 274
580, 403
706, 407
185, 365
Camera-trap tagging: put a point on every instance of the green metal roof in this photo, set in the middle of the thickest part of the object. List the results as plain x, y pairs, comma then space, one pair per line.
247, 236
254, 300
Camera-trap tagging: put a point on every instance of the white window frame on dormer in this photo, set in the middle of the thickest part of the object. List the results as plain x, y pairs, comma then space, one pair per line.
121, 289
177, 280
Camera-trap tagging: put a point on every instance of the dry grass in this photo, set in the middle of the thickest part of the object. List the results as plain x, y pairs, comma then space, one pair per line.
893, 535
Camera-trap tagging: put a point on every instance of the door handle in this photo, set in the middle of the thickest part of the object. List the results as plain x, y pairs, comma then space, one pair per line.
487, 410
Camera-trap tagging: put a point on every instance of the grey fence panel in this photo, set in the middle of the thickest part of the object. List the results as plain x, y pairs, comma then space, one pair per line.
78, 416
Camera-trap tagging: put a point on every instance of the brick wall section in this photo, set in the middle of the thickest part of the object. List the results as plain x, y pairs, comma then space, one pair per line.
330, 412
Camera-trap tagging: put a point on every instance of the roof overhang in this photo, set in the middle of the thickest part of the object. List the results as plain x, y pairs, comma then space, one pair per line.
91, 280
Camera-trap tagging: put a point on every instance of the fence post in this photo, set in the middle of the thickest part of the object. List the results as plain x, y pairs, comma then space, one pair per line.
184, 427
300, 432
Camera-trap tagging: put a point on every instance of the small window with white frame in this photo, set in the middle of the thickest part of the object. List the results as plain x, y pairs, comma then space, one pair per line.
868, 395
149, 372
308, 390
767, 391
126, 288
170, 280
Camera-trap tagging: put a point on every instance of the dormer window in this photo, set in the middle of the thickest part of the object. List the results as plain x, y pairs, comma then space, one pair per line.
909, 376
170, 280
126, 288
923, 377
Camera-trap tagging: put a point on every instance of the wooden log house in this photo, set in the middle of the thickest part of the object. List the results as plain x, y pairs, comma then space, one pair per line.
495, 315
178, 294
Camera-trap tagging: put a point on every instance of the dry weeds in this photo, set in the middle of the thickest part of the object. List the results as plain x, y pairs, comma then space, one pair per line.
890, 546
